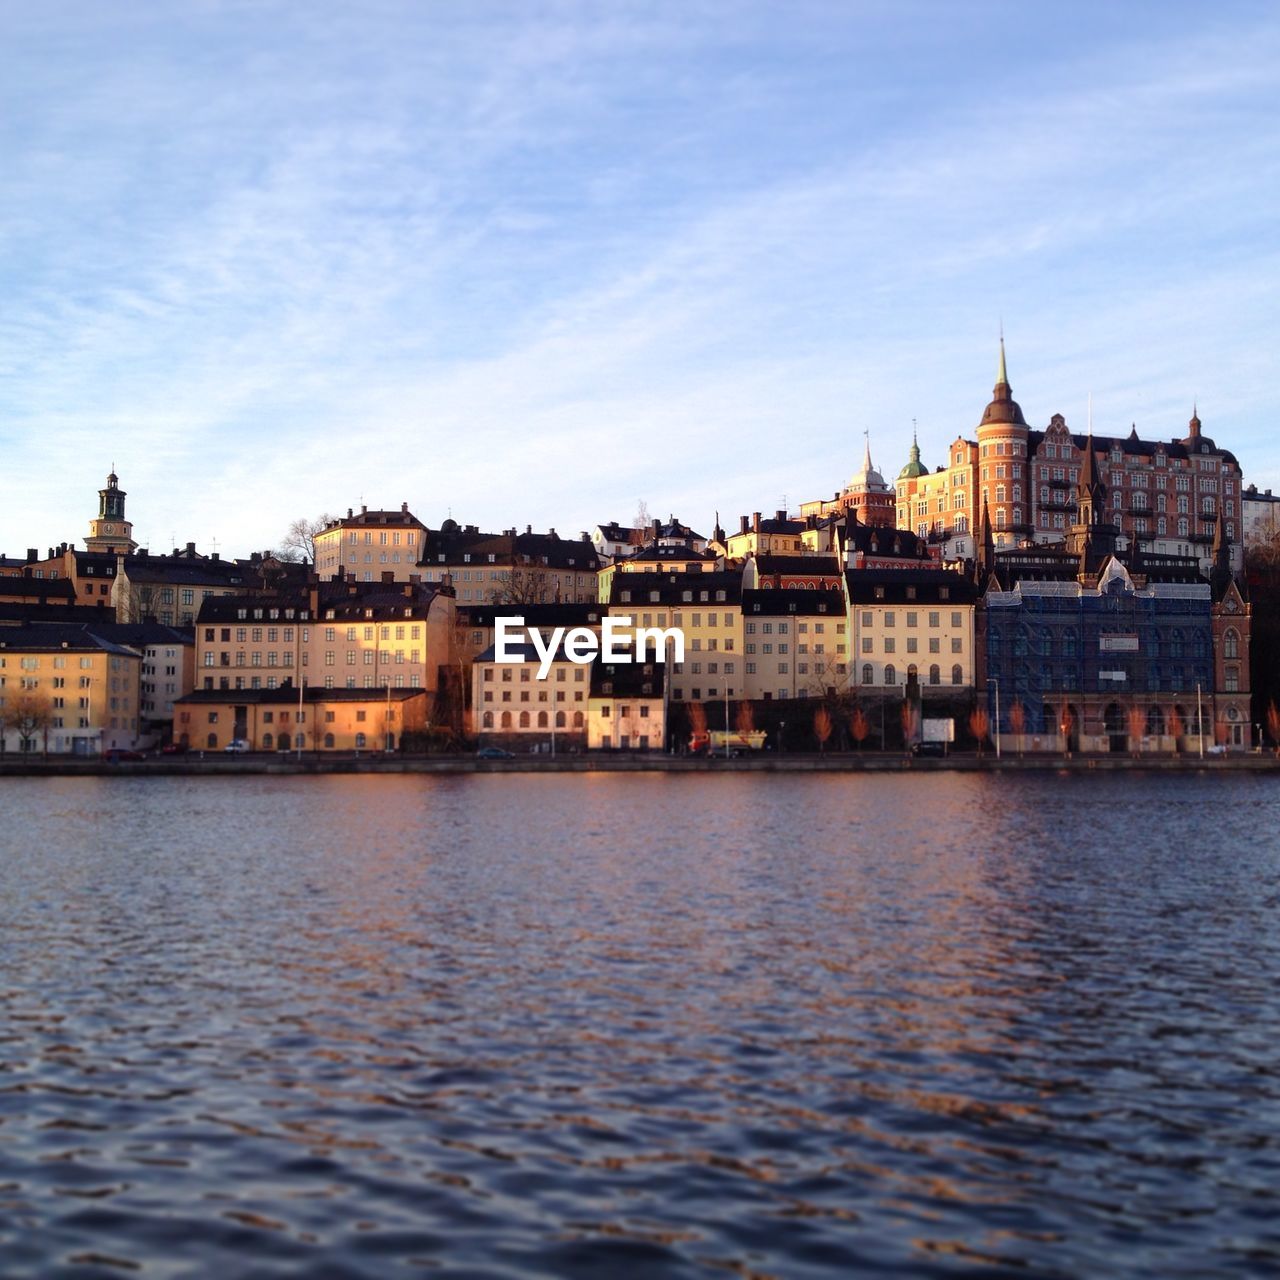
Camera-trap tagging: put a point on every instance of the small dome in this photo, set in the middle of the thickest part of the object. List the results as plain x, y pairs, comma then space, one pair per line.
914, 467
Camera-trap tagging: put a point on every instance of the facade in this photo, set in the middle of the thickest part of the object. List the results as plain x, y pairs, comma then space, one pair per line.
337, 635
778, 535
814, 572
510, 567
1260, 513
167, 673
372, 543
794, 644
627, 707
707, 608
277, 720
66, 690
906, 623
513, 708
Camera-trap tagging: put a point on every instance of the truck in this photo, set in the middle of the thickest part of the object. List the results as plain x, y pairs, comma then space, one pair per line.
733, 742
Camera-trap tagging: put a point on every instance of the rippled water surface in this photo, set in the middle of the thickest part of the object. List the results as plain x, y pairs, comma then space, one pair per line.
612, 1025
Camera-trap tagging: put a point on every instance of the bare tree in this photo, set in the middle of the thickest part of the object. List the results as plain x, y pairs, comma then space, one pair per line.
745, 720
524, 584
643, 518
1177, 728
299, 542
30, 715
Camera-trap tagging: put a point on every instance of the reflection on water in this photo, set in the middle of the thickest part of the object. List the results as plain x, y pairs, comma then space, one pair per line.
638, 1025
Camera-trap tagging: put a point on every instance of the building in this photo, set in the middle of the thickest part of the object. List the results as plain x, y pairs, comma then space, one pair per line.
1087, 646
867, 496
167, 673
1164, 496
66, 690
776, 535
512, 706
510, 567
626, 710
368, 545
794, 643
1260, 515
338, 634
276, 719
815, 572
911, 625
706, 607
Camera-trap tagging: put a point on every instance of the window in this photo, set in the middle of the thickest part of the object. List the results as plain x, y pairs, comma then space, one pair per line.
890, 674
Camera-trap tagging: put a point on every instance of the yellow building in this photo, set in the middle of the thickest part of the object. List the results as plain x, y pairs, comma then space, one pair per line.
515, 708
511, 567
65, 690
336, 635
794, 644
910, 622
276, 720
779, 535
627, 707
370, 544
706, 608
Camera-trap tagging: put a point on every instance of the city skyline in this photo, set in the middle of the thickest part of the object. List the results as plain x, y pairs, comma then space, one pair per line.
534, 266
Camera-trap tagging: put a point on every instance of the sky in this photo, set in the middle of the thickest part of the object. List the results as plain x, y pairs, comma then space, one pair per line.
537, 263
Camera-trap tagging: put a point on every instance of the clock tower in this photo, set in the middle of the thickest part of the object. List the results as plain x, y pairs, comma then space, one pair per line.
111, 531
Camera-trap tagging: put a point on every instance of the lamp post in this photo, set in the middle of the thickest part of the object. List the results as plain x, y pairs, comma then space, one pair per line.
782, 736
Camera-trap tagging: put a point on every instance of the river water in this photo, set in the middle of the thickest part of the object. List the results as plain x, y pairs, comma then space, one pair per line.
640, 1025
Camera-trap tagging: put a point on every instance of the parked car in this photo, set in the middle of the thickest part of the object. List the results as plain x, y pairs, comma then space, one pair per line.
237, 746
494, 753
117, 755
174, 749
928, 748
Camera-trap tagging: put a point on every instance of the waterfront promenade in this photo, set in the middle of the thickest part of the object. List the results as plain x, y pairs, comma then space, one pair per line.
215, 764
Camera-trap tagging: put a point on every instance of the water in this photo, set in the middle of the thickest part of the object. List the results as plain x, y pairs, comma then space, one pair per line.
634, 1025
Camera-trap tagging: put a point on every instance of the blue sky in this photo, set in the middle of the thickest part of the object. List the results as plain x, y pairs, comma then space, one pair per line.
534, 262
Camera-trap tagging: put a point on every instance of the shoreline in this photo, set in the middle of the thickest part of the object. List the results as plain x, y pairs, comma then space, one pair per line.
890, 762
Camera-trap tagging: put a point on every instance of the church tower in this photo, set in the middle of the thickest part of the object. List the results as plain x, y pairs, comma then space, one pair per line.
111, 531
1093, 536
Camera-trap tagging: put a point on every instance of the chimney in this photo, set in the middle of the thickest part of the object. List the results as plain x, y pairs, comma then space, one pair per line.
404, 508
364, 508
33, 554
191, 548
755, 522
743, 524
782, 515
528, 528
215, 555
657, 527
313, 595
415, 579
388, 575
350, 513
409, 589
551, 533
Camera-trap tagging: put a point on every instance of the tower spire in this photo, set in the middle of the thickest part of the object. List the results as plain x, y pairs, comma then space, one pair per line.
1002, 372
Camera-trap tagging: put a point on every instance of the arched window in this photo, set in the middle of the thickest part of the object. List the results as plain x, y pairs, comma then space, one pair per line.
1231, 644
487, 723
212, 742
328, 741
957, 674
267, 742
284, 742
524, 719
506, 719
542, 720
561, 721
912, 672
360, 739
890, 674
868, 675
577, 720
935, 674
